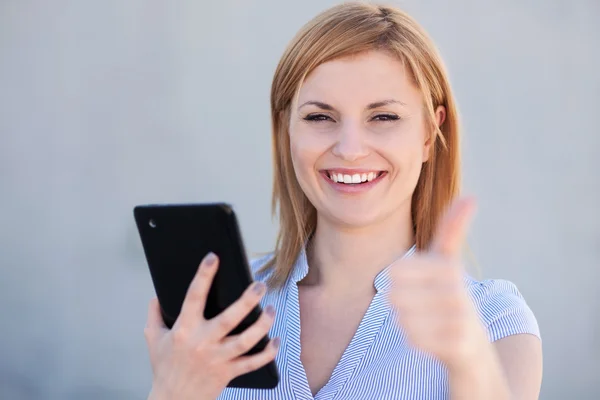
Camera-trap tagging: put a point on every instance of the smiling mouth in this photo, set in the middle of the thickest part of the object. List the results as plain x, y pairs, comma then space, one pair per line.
353, 179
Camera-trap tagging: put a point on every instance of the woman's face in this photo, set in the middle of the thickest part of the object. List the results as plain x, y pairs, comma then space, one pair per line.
358, 138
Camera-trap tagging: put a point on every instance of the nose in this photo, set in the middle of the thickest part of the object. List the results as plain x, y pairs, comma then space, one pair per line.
350, 144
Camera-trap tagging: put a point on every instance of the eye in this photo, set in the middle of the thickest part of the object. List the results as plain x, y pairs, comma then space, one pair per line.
385, 117
318, 118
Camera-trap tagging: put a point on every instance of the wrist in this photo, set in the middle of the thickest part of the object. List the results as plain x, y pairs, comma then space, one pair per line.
478, 377
161, 393
157, 393
469, 362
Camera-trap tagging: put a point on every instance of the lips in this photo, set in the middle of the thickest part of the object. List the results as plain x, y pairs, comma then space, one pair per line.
352, 181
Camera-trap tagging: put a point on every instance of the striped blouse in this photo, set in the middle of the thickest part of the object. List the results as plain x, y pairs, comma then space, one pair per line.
378, 363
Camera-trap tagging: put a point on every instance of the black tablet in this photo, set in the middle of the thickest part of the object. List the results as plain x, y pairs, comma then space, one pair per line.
175, 238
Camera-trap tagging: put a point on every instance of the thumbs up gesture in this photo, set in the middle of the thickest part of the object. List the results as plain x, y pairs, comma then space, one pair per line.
429, 295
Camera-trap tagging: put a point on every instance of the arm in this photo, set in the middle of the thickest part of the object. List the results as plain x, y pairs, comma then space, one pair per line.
479, 330
521, 359
508, 369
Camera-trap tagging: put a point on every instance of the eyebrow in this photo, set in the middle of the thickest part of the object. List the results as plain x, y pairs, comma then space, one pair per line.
327, 107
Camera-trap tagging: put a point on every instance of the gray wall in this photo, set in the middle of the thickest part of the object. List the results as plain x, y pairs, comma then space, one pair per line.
107, 104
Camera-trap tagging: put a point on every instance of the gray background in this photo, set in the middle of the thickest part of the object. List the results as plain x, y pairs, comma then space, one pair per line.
107, 104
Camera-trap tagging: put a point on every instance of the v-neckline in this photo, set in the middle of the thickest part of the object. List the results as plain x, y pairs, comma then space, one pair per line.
370, 325
361, 341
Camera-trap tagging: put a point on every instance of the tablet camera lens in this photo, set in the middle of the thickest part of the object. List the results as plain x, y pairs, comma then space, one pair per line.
152, 223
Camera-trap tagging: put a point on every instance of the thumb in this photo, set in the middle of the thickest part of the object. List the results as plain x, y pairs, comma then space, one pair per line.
452, 229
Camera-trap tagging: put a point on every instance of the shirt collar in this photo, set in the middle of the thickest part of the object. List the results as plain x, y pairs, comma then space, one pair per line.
300, 268
383, 280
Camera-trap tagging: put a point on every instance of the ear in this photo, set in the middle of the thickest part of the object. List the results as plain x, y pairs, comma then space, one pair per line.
440, 117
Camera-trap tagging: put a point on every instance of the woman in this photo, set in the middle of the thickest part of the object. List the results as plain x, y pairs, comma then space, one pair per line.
367, 261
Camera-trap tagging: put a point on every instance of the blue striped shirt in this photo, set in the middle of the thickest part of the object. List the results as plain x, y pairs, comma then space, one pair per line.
378, 363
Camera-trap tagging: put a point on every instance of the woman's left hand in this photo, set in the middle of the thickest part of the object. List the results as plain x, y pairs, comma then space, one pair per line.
430, 298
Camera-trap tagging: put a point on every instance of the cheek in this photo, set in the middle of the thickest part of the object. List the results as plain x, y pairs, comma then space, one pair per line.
298, 158
305, 153
413, 169
306, 148
406, 155
304, 159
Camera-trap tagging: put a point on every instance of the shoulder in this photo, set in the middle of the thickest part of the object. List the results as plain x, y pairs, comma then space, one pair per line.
257, 265
502, 308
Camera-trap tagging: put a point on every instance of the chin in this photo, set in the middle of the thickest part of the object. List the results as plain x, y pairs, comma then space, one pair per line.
353, 217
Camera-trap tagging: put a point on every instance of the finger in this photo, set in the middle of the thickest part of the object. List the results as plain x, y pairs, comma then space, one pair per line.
426, 271
224, 323
154, 321
245, 364
235, 346
451, 232
422, 332
430, 301
192, 309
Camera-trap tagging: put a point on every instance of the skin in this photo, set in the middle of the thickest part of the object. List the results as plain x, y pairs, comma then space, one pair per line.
334, 126
353, 136
196, 359
353, 113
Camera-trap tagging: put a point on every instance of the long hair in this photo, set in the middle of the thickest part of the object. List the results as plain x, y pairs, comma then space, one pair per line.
344, 30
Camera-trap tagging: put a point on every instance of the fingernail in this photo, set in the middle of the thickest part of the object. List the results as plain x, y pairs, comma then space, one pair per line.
270, 310
276, 342
258, 287
210, 259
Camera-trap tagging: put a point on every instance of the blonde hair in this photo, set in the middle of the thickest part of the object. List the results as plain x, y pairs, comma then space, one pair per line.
344, 30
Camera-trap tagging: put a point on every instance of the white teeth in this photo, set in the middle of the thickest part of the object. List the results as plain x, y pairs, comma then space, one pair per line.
353, 179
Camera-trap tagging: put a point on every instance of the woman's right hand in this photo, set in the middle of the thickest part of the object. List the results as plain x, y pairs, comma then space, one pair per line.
196, 359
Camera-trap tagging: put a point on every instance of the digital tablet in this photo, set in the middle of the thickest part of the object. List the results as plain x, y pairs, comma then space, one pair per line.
175, 238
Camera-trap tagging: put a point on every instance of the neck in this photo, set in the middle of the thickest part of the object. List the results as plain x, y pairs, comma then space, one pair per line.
349, 259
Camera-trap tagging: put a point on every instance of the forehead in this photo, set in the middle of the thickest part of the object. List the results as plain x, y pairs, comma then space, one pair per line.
361, 78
